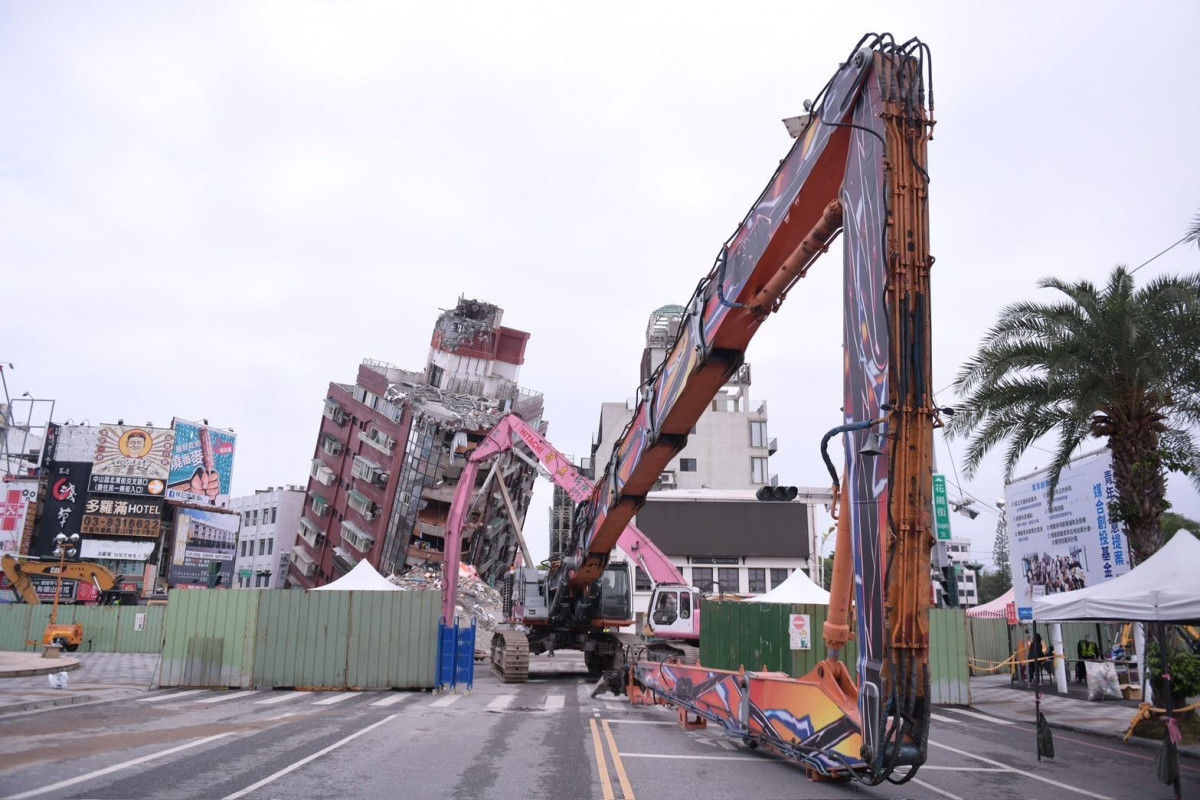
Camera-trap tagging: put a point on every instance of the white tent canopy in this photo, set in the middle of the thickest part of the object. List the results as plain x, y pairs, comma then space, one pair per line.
798, 588
363, 578
994, 609
1164, 588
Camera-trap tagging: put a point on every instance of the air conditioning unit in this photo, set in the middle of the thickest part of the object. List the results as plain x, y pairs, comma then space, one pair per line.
666, 479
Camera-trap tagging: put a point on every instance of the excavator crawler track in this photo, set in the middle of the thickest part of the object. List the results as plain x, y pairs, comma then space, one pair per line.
510, 656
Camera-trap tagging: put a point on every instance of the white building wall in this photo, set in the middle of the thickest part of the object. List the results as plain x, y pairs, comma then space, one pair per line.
270, 525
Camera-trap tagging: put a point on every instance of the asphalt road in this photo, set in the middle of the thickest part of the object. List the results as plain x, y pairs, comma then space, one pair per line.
542, 739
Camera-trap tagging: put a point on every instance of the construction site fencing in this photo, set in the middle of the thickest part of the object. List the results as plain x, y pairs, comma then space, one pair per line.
993, 641
266, 639
106, 629
756, 636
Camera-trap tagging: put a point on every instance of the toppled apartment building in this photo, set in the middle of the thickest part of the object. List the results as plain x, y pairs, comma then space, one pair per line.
392, 446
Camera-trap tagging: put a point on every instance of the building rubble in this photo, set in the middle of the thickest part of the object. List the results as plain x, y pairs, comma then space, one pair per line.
475, 598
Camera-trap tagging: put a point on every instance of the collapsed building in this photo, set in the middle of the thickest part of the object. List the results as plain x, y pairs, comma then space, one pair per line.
391, 447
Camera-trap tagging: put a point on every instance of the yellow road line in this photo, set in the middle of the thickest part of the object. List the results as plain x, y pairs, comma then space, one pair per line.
601, 763
626, 789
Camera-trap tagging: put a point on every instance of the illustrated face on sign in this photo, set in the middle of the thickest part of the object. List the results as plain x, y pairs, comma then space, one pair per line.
134, 444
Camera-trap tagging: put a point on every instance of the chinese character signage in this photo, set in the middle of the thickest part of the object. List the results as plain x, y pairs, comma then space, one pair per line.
800, 631
133, 461
201, 464
200, 538
115, 549
138, 517
1069, 544
17, 502
63, 511
941, 508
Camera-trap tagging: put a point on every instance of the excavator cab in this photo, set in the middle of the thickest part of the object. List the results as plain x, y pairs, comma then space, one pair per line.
673, 611
616, 596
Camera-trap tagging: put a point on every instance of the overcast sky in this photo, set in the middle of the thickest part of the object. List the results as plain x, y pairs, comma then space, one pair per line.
213, 211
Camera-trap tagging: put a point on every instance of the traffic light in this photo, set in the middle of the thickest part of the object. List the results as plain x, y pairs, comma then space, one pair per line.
950, 585
214, 574
779, 494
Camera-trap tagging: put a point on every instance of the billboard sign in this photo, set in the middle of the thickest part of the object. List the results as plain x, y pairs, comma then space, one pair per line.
116, 549
1069, 544
63, 509
135, 517
131, 460
18, 501
201, 537
941, 508
201, 464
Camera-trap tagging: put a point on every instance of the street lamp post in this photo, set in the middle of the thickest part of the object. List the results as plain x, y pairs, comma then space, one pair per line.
64, 547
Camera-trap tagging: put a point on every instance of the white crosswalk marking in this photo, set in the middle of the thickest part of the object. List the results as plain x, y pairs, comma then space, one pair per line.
337, 698
554, 702
393, 699
502, 702
448, 700
283, 697
221, 698
940, 718
172, 696
965, 713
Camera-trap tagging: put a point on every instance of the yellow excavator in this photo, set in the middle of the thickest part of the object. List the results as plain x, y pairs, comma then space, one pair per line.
81, 582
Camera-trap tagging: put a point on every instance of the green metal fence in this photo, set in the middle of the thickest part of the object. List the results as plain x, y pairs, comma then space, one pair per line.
756, 636
267, 639
106, 629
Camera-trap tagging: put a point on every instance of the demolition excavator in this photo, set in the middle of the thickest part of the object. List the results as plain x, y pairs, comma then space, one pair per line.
857, 169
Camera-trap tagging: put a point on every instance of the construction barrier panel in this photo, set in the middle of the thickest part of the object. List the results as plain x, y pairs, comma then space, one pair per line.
758, 636
106, 629
312, 640
992, 641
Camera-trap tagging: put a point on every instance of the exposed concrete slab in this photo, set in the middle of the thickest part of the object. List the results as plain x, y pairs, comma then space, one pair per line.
23, 665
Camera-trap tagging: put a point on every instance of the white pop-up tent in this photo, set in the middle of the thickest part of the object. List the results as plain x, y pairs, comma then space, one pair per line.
363, 578
798, 588
995, 609
1163, 588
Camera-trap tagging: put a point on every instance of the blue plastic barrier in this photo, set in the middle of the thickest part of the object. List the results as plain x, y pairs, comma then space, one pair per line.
456, 655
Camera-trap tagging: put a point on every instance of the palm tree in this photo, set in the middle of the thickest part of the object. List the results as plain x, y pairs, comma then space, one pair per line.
1193, 233
1117, 364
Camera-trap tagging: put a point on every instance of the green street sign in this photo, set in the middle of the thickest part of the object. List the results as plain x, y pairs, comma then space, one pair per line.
941, 509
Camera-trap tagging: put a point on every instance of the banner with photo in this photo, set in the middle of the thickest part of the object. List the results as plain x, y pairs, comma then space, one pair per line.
201, 537
18, 500
1069, 544
201, 464
136, 517
132, 460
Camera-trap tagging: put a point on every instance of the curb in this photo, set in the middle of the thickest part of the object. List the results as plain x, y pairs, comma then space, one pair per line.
33, 705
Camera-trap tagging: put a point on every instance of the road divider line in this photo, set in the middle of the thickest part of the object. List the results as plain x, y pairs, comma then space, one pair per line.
925, 767
626, 789
502, 702
282, 697
292, 767
755, 759
601, 762
171, 696
54, 787
940, 718
391, 701
448, 700
640, 722
984, 717
221, 698
1008, 768
337, 698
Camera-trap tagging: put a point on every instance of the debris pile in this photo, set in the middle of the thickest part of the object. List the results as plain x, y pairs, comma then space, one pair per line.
474, 597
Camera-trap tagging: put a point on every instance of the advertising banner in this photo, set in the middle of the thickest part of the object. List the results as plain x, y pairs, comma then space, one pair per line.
1069, 544
143, 454
18, 502
63, 511
202, 537
201, 464
136, 517
116, 549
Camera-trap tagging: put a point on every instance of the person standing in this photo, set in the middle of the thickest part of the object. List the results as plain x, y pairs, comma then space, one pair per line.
1086, 650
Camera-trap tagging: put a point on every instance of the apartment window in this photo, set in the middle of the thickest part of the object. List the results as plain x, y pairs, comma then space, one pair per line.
243, 548
435, 375
778, 576
687, 465
262, 547
270, 546
758, 580
247, 518
642, 582
254, 517
758, 434
730, 579
702, 578
758, 469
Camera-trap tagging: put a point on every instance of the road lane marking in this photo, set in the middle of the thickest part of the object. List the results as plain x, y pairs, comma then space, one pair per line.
448, 700
337, 698
940, 718
933, 788
502, 702
221, 698
282, 697
626, 789
1021, 772
985, 717
709, 758
1138, 756
391, 701
292, 767
554, 702
964, 769
640, 722
54, 787
171, 696
601, 762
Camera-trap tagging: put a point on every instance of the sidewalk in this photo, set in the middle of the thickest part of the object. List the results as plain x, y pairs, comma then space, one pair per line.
98, 676
995, 695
